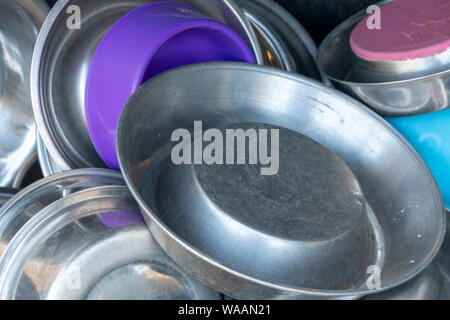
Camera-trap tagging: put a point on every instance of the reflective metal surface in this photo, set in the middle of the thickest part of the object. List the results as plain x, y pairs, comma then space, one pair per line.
443, 258
408, 218
61, 60
294, 45
66, 252
47, 164
37, 196
426, 92
430, 284
20, 21
6, 194
274, 51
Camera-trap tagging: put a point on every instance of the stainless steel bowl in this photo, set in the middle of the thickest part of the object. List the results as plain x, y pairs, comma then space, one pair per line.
292, 44
419, 94
35, 197
20, 21
408, 221
61, 61
65, 251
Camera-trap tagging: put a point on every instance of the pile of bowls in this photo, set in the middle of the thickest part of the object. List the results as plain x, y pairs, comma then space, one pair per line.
60, 114
79, 235
339, 193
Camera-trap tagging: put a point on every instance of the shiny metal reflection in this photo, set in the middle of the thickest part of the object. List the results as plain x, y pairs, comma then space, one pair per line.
61, 61
398, 187
423, 92
64, 251
20, 21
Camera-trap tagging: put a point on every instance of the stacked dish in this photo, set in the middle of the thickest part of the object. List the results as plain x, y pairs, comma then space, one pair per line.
65, 238
60, 113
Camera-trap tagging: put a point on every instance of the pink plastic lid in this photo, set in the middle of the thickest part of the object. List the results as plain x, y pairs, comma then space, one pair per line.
410, 29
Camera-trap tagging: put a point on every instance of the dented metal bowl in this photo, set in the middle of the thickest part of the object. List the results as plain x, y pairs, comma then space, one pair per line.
20, 22
424, 91
61, 60
66, 251
401, 218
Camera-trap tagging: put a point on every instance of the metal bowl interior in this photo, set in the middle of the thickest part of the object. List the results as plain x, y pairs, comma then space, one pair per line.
397, 185
294, 42
20, 22
65, 252
418, 94
274, 52
61, 61
430, 284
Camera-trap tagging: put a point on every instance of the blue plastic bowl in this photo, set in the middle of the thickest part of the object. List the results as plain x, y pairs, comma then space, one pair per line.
429, 134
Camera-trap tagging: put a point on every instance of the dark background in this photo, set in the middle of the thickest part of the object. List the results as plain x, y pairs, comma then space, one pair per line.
319, 17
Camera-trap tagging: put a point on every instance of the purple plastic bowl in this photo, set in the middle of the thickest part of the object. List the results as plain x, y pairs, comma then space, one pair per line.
145, 42
120, 219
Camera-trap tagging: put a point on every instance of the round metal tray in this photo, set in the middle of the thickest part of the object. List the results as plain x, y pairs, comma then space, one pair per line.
405, 208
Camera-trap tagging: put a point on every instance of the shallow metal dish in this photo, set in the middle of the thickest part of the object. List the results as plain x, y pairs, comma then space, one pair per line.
420, 94
20, 21
293, 43
398, 187
65, 251
61, 59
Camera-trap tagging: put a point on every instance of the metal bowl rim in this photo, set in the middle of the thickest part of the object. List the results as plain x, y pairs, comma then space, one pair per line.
87, 172
316, 85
